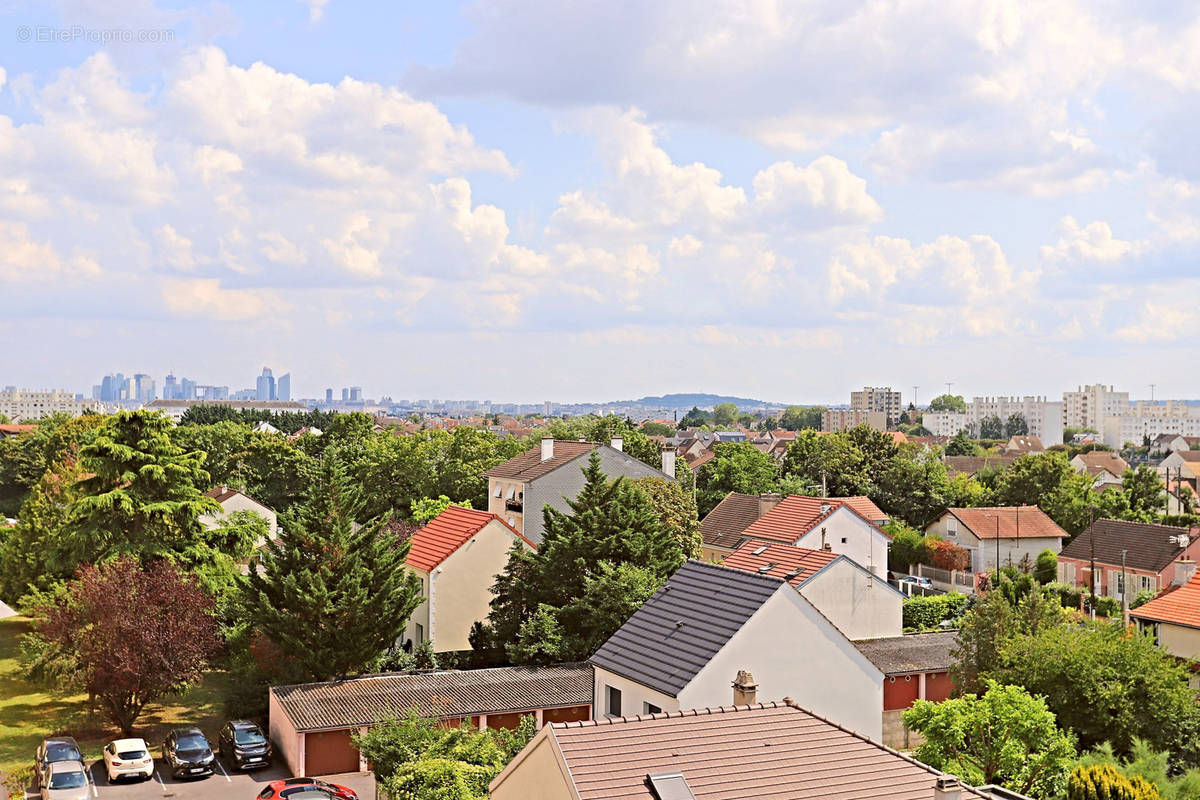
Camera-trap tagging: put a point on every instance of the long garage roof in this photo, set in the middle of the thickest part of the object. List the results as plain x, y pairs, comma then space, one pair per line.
364, 701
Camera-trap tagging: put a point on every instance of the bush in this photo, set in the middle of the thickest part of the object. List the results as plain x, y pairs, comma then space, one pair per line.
1069, 596
946, 555
927, 613
1108, 607
1104, 782
908, 546
1046, 570
1141, 598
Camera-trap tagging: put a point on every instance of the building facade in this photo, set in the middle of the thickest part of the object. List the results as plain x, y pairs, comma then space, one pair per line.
21, 405
1088, 406
878, 398
842, 419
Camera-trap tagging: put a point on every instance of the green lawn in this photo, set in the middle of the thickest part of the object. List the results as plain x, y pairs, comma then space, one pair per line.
27, 714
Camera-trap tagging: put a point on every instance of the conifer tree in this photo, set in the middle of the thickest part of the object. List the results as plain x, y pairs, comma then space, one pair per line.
333, 596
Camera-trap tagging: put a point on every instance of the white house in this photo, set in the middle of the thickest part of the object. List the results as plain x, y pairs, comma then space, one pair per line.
232, 500
1011, 533
821, 523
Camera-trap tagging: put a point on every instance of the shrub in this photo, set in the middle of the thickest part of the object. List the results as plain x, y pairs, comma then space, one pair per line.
1108, 607
1046, 570
947, 555
927, 613
1069, 597
1142, 597
1104, 782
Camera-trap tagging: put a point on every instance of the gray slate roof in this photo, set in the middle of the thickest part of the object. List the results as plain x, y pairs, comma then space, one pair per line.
913, 652
364, 701
677, 632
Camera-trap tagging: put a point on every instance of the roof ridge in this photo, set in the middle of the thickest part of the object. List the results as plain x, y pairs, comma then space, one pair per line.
683, 712
451, 671
733, 570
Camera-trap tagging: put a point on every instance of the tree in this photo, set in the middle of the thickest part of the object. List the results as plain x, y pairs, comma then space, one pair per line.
735, 467
652, 428
142, 496
1048, 481
1016, 425
991, 624
695, 418
427, 508
953, 403
1046, 570
274, 471
798, 418
1145, 491
991, 427
676, 510
913, 485
960, 445
832, 461
135, 634
25, 458
724, 414
1108, 683
330, 594
28, 554
1006, 736
224, 445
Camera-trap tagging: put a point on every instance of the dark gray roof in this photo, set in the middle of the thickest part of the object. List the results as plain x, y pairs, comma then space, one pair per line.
669, 639
364, 701
913, 652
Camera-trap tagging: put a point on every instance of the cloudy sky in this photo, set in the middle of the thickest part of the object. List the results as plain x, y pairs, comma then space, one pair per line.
527, 199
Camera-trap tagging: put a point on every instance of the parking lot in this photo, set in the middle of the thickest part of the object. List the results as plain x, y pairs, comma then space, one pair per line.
221, 785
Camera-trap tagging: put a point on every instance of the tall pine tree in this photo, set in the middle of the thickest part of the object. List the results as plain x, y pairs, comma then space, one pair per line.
332, 595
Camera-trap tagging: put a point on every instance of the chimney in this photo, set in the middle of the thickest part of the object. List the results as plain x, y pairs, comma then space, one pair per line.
547, 448
947, 787
766, 502
825, 508
745, 690
618, 443
1185, 570
668, 461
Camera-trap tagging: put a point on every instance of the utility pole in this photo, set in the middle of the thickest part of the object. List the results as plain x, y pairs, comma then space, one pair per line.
997, 549
1092, 574
1124, 591
948, 385
1152, 392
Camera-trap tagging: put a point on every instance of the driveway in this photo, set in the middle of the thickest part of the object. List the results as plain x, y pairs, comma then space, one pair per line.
221, 785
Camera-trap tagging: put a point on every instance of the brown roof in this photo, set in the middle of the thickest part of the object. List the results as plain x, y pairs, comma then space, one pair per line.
797, 515
1024, 522
793, 564
774, 750
529, 465
722, 527
364, 701
1024, 444
1098, 460
223, 493
973, 465
1177, 605
1188, 455
1148, 547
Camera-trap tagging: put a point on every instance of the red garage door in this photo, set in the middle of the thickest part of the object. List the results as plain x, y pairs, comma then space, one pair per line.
329, 752
507, 721
899, 691
569, 714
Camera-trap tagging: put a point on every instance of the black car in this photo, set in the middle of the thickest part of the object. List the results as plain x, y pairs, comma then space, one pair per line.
243, 745
187, 753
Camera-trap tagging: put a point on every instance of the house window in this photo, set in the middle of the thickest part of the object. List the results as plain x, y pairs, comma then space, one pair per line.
650, 708
613, 701
497, 491
1146, 583
952, 527
420, 633
843, 540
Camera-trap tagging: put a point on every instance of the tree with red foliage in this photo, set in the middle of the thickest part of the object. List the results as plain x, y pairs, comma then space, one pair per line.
947, 555
131, 634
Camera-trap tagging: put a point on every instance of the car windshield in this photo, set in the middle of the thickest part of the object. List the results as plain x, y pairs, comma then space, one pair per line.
190, 743
248, 736
62, 751
133, 755
68, 780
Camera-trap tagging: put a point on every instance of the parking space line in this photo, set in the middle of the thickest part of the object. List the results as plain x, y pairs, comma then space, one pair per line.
217, 761
161, 782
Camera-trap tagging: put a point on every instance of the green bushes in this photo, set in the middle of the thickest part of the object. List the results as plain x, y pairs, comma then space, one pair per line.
910, 546
1046, 570
1104, 782
927, 613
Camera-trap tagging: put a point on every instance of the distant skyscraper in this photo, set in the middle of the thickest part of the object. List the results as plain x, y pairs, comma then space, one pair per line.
356, 394
546, 408
329, 395
345, 394
265, 387
143, 388
113, 388
283, 387
187, 390
170, 387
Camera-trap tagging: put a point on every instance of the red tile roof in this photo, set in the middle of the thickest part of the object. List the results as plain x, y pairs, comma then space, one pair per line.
1178, 606
779, 560
447, 532
1026, 521
772, 750
797, 515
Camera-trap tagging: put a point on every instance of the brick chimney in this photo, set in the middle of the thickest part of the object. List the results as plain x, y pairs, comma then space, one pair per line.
618, 443
745, 690
668, 461
547, 448
1185, 569
766, 502
947, 787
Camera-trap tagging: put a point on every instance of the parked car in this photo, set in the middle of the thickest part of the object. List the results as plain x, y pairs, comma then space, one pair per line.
187, 753
57, 748
917, 580
242, 744
125, 758
297, 789
65, 780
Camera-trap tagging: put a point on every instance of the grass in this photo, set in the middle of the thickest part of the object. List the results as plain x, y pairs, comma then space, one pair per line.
27, 713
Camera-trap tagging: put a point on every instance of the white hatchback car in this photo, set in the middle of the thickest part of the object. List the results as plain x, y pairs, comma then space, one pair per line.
128, 758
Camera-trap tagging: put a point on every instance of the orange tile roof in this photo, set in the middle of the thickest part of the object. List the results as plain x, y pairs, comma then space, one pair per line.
779, 560
1180, 606
447, 532
797, 515
1025, 521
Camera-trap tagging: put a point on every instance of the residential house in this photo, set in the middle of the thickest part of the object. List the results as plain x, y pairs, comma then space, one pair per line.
457, 555
708, 622
312, 724
1105, 467
748, 750
1174, 616
1012, 534
1023, 445
1181, 465
1151, 556
846, 526
231, 500
1166, 443
916, 666
8, 431
551, 474
721, 529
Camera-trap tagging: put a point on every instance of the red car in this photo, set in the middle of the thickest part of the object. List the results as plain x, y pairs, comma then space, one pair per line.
305, 789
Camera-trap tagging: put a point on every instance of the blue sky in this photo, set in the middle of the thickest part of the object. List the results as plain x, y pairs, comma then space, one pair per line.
597, 200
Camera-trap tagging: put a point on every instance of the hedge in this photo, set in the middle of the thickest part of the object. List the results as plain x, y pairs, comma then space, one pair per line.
927, 613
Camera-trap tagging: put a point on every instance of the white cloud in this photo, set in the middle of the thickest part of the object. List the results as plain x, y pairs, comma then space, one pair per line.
1160, 323
204, 297
825, 186
1094, 243
25, 259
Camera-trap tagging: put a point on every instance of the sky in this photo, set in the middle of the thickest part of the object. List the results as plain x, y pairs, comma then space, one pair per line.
525, 200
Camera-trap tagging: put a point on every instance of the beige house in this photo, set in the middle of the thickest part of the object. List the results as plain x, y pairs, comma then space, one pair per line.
1012, 533
1174, 616
231, 500
1181, 465
1105, 467
457, 556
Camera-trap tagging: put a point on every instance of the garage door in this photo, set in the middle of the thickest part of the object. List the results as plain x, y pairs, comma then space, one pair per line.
569, 714
329, 752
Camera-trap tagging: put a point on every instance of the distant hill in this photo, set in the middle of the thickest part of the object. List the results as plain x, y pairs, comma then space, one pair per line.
686, 401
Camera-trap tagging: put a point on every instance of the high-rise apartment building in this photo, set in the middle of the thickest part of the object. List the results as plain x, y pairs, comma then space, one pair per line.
873, 398
1088, 406
283, 387
25, 406
1043, 417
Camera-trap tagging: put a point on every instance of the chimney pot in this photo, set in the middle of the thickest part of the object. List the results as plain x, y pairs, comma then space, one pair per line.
745, 690
947, 787
618, 443
1185, 570
668, 461
825, 508
547, 448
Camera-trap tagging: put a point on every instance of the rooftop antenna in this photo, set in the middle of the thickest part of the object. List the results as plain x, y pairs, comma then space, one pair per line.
915, 394
1152, 391
948, 385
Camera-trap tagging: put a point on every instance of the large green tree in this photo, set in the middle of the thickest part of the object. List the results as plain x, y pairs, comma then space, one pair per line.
960, 445
797, 418
1145, 492
831, 460
675, 508
1048, 481
29, 555
724, 414
735, 467
332, 595
948, 402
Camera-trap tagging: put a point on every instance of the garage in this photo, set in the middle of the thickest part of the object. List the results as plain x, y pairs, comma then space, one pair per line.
329, 752
569, 714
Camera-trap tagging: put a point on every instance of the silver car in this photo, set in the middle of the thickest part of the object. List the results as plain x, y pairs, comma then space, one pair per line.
65, 780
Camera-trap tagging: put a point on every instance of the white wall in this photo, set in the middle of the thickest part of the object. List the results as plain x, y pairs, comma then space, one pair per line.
795, 652
634, 695
864, 543
861, 606
240, 502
